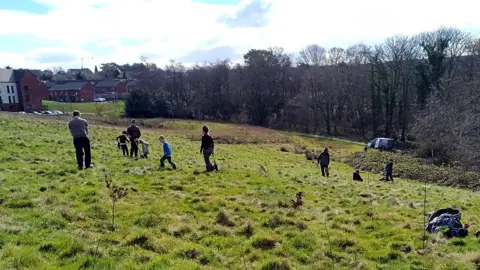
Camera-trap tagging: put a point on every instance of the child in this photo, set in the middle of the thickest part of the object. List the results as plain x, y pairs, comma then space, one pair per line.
356, 176
122, 143
389, 171
167, 153
144, 145
207, 148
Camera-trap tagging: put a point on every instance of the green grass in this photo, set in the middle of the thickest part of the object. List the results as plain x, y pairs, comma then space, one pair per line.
100, 109
238, 218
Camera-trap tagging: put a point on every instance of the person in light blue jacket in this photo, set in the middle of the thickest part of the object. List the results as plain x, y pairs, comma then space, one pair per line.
167, 153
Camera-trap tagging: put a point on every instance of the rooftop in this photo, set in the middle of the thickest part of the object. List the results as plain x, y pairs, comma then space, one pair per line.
68, 86
107, 83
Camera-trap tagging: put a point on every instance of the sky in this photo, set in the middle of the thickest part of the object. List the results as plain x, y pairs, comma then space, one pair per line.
41, 34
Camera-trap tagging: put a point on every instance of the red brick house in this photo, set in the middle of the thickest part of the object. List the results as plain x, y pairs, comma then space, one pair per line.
72, 91
110, 89
20, 90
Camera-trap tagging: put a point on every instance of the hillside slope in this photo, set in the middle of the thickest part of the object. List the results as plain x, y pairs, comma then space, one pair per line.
54, 217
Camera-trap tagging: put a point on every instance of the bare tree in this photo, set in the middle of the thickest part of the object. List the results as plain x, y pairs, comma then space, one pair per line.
57, 69
313, 55
441, 52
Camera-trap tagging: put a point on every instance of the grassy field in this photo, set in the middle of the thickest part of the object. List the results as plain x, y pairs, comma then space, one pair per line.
54, 217
100, 109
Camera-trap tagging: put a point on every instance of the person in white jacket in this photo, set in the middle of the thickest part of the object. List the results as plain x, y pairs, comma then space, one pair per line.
144, 145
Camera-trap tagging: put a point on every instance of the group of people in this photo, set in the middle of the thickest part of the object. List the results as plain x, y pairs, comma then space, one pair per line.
323, 161
80, 132
388, 173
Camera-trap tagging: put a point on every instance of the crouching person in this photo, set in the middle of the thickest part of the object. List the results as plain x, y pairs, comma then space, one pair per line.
356, 176
167, 153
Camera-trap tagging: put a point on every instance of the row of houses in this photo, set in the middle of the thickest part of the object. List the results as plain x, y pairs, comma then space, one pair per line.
21, 90
85, 91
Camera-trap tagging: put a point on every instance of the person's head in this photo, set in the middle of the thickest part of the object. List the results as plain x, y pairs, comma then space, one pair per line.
76, 113
325, 150
133, 122
357, 171
161, 138
390, 160
124, 132
205, 130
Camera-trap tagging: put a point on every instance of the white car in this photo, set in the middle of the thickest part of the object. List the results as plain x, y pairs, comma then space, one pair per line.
99, 99
382, 143
57, 112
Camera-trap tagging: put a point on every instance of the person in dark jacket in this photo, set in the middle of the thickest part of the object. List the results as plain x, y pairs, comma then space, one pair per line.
356, 176
389, 171
122, 141
134, 133
207, 148
324, 161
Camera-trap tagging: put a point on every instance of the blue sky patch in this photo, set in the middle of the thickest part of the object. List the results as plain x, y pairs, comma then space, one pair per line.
23, 43
29, 6
218, 2
95, 49
132, 42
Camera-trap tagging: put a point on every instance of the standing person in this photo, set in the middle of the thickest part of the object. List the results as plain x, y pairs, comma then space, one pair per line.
324, 160
145, 150
167, 153
122, 143
389, 170
134, 132
207, 148
79, 129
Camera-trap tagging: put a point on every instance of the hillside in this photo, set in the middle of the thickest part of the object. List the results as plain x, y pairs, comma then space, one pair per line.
54, 217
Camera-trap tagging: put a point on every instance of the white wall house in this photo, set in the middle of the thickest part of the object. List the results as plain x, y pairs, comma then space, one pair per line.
8, 93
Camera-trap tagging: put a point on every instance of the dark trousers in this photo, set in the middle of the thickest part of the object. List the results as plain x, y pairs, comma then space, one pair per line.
388, 177
82, 147
124, 149
169, 159
134, 148
324, 169
206, 156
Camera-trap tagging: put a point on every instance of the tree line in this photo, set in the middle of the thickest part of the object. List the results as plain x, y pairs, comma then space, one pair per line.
422, 88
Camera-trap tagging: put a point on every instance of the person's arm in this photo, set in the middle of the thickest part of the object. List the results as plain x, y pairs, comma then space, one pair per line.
86, 127
202, 144
139, 133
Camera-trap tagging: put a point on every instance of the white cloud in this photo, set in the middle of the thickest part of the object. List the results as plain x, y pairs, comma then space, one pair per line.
173, 29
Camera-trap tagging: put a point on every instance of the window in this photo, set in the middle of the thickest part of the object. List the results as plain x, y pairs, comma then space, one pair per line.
8, 89
14, 99
26, 93
9, 99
